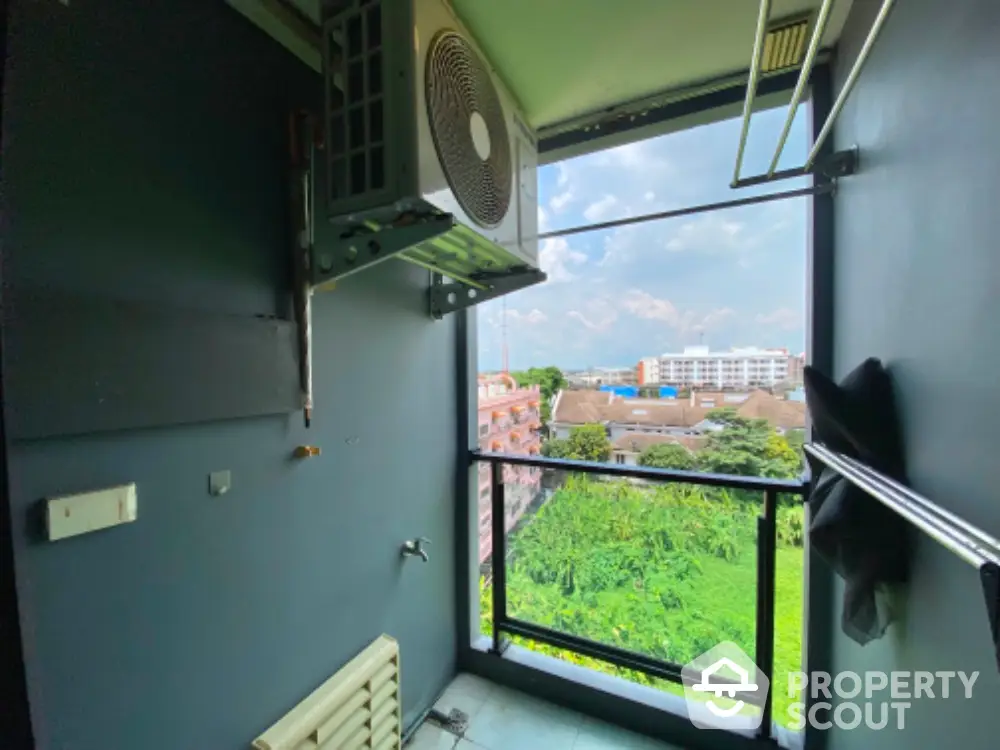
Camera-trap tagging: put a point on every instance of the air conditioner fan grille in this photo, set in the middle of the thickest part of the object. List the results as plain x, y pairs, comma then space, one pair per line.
468, 127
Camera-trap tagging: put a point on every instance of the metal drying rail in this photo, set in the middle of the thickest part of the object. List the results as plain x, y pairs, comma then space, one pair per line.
968, 542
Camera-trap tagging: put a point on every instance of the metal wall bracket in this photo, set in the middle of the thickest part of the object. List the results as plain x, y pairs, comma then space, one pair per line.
446, 298
347, 255
841, 164
504, 645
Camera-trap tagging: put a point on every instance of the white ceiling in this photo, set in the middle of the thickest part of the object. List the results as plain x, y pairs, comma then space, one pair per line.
563, 59
567, 58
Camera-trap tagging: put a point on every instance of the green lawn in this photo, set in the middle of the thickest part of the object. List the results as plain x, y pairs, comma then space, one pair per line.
732, 588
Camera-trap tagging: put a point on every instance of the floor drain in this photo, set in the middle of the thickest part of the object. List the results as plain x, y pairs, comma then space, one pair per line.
454, 721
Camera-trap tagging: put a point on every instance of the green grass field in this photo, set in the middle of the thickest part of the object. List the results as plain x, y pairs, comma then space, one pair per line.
732, 588
663, 572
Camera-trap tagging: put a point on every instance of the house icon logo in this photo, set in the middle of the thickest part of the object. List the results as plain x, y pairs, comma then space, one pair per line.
724, 689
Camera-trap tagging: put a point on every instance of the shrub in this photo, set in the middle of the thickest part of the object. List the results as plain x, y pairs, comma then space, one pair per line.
791, 525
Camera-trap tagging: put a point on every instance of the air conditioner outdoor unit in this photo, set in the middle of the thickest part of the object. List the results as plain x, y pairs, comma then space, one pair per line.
426, 155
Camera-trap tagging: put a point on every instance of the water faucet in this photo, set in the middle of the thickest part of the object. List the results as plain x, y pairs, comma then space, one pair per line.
415, 548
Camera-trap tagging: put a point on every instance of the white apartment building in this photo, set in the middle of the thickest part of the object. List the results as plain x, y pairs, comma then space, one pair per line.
697, 366
649, 370
603, 376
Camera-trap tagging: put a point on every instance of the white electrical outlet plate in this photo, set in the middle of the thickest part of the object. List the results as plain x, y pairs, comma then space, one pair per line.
72, 515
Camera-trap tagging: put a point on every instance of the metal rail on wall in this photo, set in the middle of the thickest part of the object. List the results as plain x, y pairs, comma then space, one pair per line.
963, 539
852, 78
803, 83
691, 210
758, 53
838, 165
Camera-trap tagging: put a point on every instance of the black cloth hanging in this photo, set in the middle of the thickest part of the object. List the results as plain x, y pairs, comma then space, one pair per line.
865, 542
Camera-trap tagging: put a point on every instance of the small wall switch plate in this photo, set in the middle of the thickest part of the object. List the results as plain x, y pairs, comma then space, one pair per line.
72, 515
219, 482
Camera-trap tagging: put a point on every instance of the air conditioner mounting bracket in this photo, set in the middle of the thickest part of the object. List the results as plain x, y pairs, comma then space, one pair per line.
366, 247
446, 298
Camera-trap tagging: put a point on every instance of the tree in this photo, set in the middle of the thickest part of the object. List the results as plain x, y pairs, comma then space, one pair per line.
779, 450
550, 381
589, 442
556, 448
747, 447
667, 456
795, 439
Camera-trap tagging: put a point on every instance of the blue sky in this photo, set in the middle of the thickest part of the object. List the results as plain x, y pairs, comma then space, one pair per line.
727, 278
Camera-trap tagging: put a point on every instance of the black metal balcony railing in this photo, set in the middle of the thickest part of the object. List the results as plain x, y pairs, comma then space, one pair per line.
503, 624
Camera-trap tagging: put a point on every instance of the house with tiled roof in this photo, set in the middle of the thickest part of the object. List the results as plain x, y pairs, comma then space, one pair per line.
576, 407
782, 415
630, 445
637, 423
621, 415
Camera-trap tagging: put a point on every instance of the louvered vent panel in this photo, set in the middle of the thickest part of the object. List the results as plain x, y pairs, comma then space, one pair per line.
785, 44
355, 100
359, 707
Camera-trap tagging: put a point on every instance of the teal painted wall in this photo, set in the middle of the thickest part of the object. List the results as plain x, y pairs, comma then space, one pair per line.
916, 283
144, 157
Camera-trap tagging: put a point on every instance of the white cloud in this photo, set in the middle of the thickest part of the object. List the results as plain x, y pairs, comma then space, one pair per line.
650, 195
784, 318
630, 155
565, 194
732, 228
534, 317
643, 162
597, 313
599, 317
556, 256
559, 202
714, 319
710, 234
543, 219
599, 209
644, 305
577, 315
620, 245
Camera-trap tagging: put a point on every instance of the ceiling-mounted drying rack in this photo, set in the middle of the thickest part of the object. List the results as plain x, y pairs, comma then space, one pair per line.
832, 166
966, 541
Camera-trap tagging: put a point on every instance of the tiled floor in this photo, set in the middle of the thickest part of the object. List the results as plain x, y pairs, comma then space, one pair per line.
502, 719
